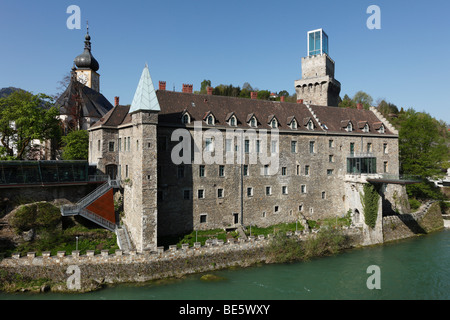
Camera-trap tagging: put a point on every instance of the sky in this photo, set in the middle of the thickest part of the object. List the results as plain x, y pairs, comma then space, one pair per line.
406, 62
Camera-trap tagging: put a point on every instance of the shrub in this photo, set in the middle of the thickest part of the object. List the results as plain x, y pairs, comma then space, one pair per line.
414, 204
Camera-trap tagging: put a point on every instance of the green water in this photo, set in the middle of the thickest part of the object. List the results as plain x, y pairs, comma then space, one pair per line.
409, 269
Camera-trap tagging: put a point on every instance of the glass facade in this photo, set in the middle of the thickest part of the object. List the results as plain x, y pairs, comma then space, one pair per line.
361, 165
317, 42
43, 172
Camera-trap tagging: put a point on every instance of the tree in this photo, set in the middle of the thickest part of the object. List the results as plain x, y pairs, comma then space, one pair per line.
364, 98
76, 145
205, 83
347, 103
423, 151
25, 117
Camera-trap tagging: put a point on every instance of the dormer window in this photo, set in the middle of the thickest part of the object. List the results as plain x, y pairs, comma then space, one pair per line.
252, 121
292, 123
273, 122
233, 121
366, 128
186, 118
349, 127
310, 125
381, 130
210, 119
379, 126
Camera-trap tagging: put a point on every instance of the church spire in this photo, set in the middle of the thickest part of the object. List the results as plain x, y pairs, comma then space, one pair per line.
86, 60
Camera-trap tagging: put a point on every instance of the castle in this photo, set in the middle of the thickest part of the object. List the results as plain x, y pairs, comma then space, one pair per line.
198, 161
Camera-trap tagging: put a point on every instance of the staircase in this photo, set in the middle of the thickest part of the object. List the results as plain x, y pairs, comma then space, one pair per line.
80, 207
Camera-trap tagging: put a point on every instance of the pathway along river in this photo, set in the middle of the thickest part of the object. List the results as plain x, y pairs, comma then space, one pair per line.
412, 269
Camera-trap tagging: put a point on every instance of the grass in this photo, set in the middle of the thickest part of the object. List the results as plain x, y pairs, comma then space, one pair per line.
196, 236
282, 227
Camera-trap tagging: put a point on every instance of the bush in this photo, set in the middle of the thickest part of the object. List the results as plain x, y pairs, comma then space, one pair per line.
284, 249
39, 216
414, 204
327, 242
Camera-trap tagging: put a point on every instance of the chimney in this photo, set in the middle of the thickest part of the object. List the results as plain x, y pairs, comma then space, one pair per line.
282, 98
162, 85
209, 90
359, 106
187, 88
300, 101
116, 101
254, 95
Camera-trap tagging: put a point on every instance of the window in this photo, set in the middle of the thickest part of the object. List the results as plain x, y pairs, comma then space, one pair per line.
306, 170
330, 143
274, 123
129, 144
381, 130
352, 148
331, 158
245, 169
294, 124
210, 120
385, 148
201, 193
310, 125
366, 128
119, 144
111, 146
300, 208
303, 188
258, 146
276, 209
228, 144
324, 195
283, 171
369, 148
349, 127
98, 145
233, 121
293, 146
268, 191
361, 165
266, 169
186, 194
180, 171
221, 171
274, 147
385, 167
284, 190
201, 171
220, 193
247, 146
249, 192
330, 172
185, 119
126, 171
137, 145
311, 147
203, 218
298, 169
253, 122
209, 145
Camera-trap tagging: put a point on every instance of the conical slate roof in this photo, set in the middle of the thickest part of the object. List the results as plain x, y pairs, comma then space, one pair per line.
145, 96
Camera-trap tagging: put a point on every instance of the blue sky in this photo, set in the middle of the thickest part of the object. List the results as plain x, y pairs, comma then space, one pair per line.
406, 62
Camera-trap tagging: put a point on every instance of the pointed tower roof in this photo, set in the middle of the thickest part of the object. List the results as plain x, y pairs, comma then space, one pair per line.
145, 96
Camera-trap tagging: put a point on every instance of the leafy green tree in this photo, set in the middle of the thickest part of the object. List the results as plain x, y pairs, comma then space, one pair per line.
76, 145
347, 102
423, 152
25, 117
205, 84
364, 98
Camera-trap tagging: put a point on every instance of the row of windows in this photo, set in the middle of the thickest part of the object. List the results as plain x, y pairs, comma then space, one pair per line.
220, 192
245, 171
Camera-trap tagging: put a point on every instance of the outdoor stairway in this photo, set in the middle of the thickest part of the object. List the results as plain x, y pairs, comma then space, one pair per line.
123, 239
80, 208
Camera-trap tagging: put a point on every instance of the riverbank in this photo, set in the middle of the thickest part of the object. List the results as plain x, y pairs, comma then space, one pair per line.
83, 273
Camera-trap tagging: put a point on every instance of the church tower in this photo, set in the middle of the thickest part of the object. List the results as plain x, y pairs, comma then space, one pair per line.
87, 66
318, 85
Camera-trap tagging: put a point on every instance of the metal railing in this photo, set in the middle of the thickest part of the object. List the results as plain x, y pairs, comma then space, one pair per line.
97, 219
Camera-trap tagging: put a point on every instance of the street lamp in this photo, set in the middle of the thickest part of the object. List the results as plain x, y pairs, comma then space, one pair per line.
76, 247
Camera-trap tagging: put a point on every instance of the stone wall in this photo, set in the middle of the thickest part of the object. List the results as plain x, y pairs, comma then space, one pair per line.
133, 266
427, 219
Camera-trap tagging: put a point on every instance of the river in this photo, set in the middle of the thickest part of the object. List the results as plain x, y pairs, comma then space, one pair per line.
411, 269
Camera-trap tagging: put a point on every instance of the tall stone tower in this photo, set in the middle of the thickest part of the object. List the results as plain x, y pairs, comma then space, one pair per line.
318, 85
140, 195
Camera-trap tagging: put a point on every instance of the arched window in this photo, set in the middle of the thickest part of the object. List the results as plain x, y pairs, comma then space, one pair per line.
185, 119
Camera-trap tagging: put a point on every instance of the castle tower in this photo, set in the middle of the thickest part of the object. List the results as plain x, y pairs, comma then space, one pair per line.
140, 195
318, 85
87, 66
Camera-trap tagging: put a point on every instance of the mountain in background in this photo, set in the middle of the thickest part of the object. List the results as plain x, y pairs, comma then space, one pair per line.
4, 92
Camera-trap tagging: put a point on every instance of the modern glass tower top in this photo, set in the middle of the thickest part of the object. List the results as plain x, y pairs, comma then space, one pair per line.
317, 42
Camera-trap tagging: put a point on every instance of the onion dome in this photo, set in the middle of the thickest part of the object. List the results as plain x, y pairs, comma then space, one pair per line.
86, 60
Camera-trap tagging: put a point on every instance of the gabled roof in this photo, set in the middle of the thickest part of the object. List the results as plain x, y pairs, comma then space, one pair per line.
145, 95
91, 103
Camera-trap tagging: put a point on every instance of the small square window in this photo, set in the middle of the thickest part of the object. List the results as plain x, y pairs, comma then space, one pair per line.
268, 191
276, 209
284, 190
203, 218
249, 192
201, 194
220, 193
324, 195
303, 188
